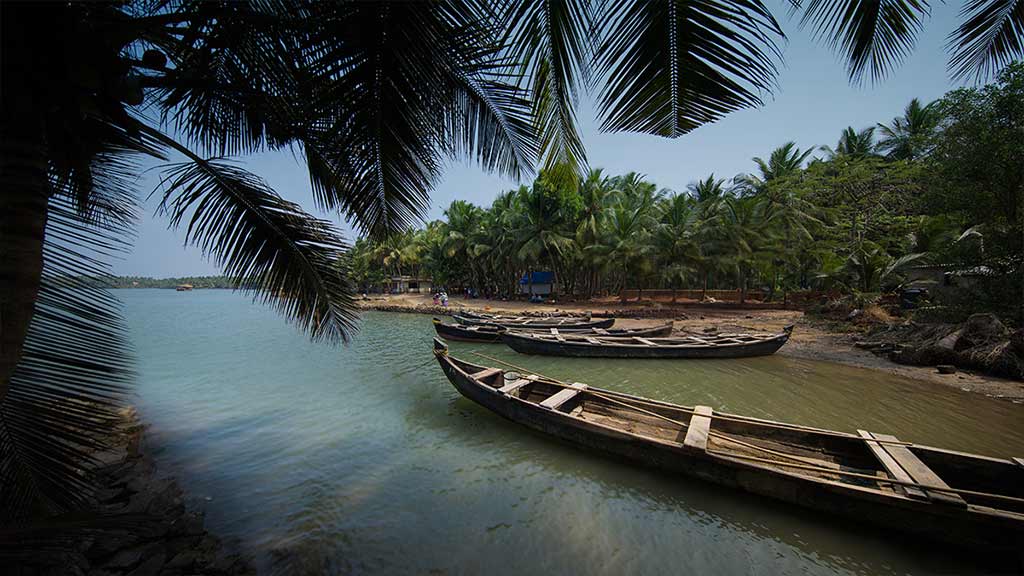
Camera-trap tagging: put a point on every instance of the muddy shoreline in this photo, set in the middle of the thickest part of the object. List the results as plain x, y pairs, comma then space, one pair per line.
812, 338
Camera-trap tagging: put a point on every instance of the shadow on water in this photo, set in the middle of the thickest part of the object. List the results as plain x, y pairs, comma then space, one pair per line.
364, 459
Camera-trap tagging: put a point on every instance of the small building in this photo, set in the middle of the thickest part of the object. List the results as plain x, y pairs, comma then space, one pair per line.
537, 284
405, 284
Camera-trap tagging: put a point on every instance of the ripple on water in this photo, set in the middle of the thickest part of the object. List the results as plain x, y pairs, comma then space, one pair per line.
363, 458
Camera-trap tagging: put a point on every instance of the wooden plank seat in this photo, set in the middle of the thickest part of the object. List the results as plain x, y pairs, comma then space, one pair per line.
601, 331
892, 467
563, 396
593, 340
510, 388
1019, 461
484, 374
914, 468
699, 428
644, 341
554, 332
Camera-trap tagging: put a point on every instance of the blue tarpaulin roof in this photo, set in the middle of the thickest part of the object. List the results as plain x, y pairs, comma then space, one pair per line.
539, 278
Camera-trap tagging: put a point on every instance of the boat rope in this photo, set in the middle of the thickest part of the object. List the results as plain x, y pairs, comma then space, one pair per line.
803, 465
874, 478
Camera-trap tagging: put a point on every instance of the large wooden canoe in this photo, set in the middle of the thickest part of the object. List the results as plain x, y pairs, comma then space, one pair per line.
633, 346
492, 333
535, 322
868, 477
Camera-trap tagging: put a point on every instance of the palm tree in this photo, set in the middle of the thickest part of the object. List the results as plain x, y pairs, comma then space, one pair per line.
675, 239
784, 161
853, 144
709, 195
908, 137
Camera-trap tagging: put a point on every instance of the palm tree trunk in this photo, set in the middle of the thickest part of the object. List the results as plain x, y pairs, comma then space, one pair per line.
23, 212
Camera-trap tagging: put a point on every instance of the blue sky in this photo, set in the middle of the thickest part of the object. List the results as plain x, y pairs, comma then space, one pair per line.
813, 104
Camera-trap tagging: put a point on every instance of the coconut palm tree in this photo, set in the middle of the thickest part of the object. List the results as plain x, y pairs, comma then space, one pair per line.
784, 161
853, 144
908, 137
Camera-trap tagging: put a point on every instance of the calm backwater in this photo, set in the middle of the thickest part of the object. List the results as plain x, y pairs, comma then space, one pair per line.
363, 459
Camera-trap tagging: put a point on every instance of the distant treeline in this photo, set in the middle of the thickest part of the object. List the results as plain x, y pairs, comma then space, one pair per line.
196, 282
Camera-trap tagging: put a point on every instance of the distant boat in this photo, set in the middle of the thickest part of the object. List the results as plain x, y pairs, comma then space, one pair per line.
636, 346
492, 333
183, 287
499, 317
532, 322
866, 477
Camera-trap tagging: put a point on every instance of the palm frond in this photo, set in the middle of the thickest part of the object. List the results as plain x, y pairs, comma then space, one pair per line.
269, 246
552, 42
873, 36
74, 371
991, 36
673, 66
389, 111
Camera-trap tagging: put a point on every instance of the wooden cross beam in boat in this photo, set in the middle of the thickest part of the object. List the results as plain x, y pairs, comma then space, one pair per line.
699, 429
563, 396
511, 388
899, 461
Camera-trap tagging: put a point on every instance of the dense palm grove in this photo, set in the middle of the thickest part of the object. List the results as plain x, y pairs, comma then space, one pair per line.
941, 184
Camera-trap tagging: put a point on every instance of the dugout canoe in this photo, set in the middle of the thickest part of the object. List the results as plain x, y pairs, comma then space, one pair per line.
500, 317
689, 346
532, 322
964, 499
492, 333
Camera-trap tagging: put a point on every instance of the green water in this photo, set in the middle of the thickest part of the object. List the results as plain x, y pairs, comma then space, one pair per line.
363, 459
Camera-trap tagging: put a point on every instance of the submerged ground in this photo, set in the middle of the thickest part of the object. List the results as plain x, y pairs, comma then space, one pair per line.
363, 458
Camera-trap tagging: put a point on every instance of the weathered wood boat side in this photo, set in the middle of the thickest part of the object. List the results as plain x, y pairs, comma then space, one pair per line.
600, 346
870, 478
492, 333
529, 322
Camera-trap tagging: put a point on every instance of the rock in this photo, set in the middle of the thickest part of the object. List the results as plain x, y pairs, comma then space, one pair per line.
184, 560
710, 329
131, 557
151, 566
1017, 342
946, 369
949, 342
980, 330
854, 314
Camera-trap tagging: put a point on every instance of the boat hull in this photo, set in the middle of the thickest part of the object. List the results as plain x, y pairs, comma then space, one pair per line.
524, 344
463, 334
486, 333
605, 323
960, 526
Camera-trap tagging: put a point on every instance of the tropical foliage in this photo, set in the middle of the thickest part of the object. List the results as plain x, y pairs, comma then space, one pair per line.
374, 99
930, 186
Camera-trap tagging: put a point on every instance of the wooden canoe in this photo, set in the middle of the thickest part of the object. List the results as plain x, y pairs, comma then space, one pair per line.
501, 317
633, 346
533, 322
871, 478
492, 333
